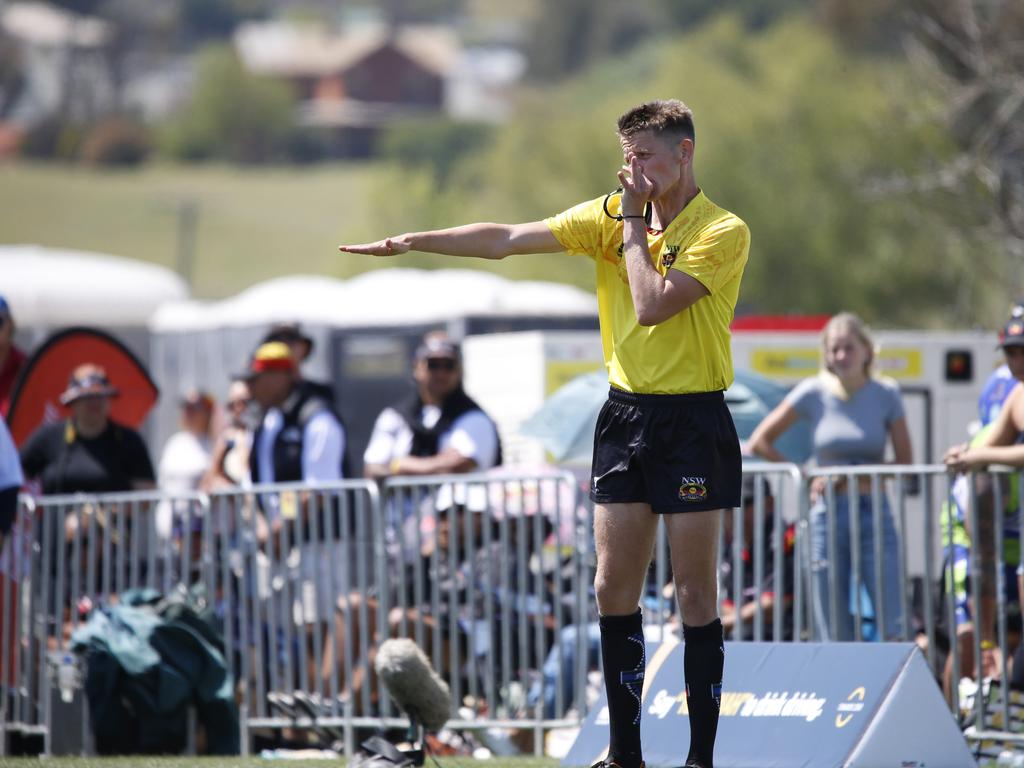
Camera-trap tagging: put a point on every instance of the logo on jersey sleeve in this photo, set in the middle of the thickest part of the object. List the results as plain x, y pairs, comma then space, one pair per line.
669, 255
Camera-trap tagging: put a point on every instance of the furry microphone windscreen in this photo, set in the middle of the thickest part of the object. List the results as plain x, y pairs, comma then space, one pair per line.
413, 683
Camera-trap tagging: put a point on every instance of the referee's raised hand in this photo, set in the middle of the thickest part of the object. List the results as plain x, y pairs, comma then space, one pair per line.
389, 246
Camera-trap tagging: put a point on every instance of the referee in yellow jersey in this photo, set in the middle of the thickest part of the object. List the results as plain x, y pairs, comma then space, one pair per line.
669, 264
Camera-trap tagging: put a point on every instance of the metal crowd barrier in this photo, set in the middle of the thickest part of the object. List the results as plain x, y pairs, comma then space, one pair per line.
918, 504
490, 573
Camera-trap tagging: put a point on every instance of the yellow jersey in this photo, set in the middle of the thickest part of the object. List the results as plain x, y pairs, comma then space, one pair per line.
690, 351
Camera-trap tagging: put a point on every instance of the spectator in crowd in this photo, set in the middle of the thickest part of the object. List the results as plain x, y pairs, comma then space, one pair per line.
998, 443
440, 429
299, 439
999, 383
186, 456
88, 452
769, 595
301, 346
229, 463
12, 359
184, 462
11, 480
854, 414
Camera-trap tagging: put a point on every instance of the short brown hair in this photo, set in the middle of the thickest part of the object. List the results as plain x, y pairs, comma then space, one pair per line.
661, 116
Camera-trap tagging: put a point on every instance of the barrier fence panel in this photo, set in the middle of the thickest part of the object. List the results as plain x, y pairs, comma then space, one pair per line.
942, 573
491, 574
298, 570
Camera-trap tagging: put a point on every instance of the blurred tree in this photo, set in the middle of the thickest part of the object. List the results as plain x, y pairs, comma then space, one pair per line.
792, 130
573, 34
232, 115
866, 25
975, 48
436, 144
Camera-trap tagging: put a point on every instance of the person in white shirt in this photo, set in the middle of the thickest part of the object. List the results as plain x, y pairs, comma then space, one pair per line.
300, 438
183, 463
440, 429
186, 455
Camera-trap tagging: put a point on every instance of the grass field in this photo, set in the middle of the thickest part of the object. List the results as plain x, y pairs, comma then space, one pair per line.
253, 223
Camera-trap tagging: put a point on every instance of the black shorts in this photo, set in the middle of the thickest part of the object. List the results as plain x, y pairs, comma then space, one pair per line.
678, 453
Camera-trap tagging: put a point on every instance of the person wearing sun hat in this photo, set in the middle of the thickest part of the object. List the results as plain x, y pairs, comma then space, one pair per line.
88, 452
12, 359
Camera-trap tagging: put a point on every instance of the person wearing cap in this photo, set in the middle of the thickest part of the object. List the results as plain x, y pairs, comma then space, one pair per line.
299, 438
997, 386
999, 443
89, 452
12, 359
668, 264
440, 429
301, 345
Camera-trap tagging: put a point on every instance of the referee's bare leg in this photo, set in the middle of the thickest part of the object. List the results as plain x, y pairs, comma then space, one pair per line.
693, 539
624, 536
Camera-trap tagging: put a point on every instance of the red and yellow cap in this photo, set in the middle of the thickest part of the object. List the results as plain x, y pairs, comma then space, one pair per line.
271, 356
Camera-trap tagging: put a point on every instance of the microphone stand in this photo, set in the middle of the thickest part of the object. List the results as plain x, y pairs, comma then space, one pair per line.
417, 741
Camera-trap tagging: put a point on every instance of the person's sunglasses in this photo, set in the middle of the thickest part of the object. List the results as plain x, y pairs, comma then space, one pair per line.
440, 364
235, 403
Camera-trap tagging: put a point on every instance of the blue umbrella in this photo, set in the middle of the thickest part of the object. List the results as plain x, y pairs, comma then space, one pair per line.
565, 423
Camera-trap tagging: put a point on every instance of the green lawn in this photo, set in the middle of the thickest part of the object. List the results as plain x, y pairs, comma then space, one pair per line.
253, 223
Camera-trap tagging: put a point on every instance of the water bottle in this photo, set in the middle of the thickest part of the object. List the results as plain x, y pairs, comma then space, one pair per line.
66, 678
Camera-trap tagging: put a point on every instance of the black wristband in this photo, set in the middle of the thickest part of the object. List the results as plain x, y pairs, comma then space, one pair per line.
634, 216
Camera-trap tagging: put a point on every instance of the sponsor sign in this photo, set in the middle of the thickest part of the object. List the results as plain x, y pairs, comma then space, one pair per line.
796, 704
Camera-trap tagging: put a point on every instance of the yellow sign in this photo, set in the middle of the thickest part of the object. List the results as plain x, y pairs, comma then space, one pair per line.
785, 362
799, 362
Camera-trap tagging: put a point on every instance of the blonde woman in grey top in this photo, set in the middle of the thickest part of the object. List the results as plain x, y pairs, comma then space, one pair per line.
853, 416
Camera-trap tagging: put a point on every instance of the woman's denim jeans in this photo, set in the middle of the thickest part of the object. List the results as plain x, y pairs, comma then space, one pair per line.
843, 570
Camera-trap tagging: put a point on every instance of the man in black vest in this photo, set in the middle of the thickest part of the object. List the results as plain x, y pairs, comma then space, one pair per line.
438, 430
299, 439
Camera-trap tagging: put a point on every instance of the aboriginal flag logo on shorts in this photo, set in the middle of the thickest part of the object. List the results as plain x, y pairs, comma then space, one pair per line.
693, 489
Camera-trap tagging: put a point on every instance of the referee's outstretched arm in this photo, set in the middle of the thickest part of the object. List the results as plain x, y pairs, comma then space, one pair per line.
481, 240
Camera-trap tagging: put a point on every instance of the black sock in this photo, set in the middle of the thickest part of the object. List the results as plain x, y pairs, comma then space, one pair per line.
622, 652
703, 663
